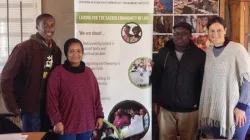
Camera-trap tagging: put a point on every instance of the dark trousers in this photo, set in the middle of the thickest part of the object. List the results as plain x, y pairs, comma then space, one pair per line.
38, 122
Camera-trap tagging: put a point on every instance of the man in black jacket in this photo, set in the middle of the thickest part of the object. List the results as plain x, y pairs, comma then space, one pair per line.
176, 85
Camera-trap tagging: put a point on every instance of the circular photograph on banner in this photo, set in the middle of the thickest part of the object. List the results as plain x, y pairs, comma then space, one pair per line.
140, 72
107, 132
131, 32
130, 119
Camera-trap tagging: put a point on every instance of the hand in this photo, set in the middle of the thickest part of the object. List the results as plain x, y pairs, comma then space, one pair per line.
59, 128
17, 112
99, 123
156, 108
240, 117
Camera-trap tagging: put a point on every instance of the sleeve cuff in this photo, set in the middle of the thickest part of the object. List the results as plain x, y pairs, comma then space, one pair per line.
242, 106
100, 116
55, 119
56, 122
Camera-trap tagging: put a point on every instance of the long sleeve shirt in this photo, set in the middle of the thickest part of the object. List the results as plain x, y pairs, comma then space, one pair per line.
244, 100
74, 100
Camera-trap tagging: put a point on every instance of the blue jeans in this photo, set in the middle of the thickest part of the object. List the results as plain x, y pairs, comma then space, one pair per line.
36, 122
240, 132
31, 122
82, 136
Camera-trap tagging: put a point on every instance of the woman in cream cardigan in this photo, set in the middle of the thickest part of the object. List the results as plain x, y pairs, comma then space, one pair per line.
225, 96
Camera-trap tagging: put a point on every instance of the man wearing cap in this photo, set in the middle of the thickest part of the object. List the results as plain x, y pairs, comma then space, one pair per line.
176, 85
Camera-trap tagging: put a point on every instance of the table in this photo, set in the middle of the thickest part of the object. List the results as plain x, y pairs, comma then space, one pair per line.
34, 135
31, 135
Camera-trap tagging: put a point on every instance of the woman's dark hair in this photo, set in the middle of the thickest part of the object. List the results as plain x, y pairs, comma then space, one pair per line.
216, 19
127, 26
136, 28
133, 109
68, 43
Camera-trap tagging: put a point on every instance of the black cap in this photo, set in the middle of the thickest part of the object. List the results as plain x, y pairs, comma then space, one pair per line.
184, 25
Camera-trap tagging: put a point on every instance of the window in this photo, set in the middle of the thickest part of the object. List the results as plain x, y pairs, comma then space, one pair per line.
17, 23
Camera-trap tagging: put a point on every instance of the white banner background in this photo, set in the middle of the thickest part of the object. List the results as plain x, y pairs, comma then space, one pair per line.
114, 81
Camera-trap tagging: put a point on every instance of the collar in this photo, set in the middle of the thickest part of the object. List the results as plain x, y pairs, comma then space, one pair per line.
79, 69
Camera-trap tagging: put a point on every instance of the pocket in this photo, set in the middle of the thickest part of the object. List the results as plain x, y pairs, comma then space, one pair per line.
187, 98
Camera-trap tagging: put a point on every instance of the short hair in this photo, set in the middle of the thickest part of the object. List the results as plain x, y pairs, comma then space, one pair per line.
133, 109
216, 19
42, 16
136, 27
143, 110
127, 26
69, 42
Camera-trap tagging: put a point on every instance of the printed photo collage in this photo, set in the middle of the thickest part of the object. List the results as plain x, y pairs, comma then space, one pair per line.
167, 13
